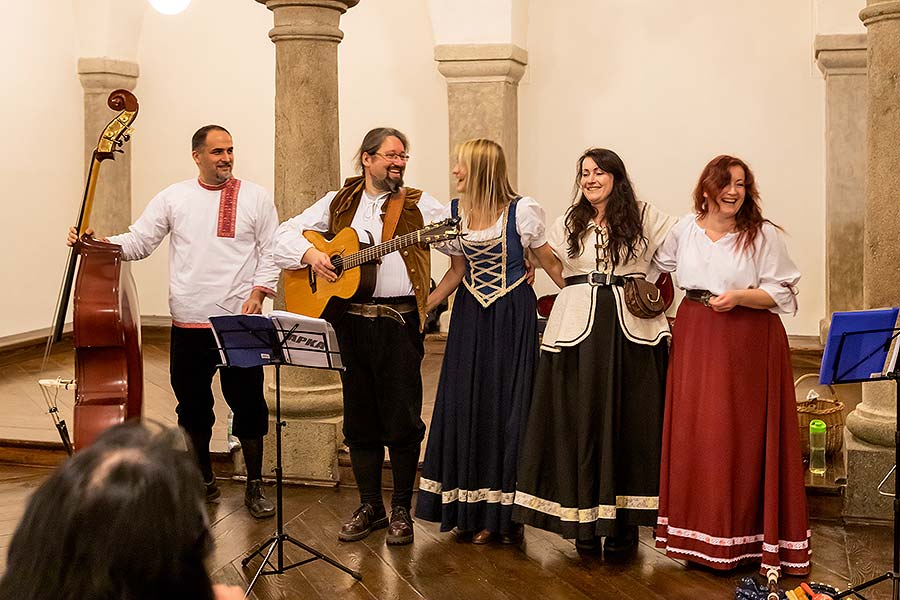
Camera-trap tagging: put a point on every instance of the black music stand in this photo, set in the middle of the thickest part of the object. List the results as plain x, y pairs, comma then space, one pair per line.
860, 346
284, 339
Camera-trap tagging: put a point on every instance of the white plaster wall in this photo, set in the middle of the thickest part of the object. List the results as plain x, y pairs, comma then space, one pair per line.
41, 145
668, 85
480, 21
838, 16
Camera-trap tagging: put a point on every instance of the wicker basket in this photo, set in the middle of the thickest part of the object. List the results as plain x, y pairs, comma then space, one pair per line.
830, 410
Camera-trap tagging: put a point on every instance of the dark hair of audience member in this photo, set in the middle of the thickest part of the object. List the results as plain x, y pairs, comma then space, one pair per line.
122, 520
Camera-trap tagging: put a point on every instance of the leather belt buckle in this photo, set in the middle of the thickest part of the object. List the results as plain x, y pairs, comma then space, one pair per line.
596, 278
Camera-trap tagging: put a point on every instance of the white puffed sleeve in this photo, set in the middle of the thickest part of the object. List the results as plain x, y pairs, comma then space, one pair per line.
778, 275
530, 222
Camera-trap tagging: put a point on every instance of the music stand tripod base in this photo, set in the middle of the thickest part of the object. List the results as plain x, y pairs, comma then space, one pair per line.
247, 339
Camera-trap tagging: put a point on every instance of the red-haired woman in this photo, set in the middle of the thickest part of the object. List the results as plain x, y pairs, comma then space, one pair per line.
731, 481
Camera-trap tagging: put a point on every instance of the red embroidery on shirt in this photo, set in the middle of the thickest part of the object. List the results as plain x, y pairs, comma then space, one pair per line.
211, 188
228, 208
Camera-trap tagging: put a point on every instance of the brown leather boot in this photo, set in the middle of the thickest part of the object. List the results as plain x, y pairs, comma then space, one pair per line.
364, 521
400, 531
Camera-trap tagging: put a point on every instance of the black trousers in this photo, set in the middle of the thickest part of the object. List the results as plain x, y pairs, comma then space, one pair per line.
382, 401
192, 365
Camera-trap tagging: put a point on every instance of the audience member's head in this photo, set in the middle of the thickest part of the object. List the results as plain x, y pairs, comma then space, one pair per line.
122, 519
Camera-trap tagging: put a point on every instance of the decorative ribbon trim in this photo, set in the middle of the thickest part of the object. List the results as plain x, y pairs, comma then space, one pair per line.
711, 540
586, 515
212, 188
228, 208
191, 325
467, 496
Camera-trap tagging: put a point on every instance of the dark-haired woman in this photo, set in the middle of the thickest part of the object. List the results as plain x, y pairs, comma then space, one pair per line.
591, 444
731, 484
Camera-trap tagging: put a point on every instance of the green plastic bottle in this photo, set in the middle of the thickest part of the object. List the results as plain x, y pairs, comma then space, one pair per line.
817, 431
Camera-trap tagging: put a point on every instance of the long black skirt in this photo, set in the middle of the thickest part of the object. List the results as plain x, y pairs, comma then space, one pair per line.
469, 473
591, 447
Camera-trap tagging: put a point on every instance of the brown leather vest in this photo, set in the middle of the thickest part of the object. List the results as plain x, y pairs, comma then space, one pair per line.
416, 258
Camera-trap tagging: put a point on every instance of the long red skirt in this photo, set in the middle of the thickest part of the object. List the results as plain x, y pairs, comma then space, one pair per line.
732, 477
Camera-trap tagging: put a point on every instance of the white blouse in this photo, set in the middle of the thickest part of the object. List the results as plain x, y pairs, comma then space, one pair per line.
572, 317
529, 225
702, 264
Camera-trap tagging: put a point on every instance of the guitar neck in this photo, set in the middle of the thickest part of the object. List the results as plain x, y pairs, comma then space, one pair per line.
375, 252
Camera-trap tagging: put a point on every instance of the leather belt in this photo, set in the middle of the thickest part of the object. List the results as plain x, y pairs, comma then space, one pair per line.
390, 311
701, 296
595, 278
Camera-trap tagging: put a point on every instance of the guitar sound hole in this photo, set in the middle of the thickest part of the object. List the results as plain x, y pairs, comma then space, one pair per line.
338, 263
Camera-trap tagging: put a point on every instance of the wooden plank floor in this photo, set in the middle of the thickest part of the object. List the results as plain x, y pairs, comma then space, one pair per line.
435, 566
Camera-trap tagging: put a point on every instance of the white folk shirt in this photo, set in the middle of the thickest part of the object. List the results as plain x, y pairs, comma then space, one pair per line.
572, 317
702, 264
392, 279
219, 249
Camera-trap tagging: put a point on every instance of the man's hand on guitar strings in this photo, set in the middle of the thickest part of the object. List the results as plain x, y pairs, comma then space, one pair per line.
320, 263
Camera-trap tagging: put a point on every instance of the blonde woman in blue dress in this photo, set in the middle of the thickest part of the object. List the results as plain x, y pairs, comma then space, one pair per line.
469, 474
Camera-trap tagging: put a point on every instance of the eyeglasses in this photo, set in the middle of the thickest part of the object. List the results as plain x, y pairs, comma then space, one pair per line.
391, 156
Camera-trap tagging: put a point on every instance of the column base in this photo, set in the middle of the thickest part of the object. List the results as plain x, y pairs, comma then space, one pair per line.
309, 451
867, 464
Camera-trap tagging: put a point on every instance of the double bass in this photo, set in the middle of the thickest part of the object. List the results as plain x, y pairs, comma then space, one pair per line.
106, 319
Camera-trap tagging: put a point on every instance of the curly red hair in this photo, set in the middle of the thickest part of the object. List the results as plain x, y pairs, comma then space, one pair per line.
714, 178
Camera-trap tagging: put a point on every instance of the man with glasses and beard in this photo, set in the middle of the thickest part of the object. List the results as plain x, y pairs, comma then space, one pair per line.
381, 341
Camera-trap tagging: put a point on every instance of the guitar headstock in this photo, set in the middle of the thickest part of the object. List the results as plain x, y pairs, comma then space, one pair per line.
440, 231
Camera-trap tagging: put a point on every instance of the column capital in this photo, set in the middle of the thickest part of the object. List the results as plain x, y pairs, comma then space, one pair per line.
464, 63
307, 19
100, 75
841, 54
879, 10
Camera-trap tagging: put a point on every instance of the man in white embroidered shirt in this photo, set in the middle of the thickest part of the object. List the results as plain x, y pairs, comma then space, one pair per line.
220, 262
382, 383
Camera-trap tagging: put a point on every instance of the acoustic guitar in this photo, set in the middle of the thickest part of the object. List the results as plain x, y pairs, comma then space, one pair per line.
356, 266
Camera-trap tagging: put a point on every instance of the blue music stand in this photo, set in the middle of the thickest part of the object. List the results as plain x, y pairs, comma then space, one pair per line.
282, 339
857, 350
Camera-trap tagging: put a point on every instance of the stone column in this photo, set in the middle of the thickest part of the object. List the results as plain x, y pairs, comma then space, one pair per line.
112, 199
482, 94
870, 447
842, 59
307, 165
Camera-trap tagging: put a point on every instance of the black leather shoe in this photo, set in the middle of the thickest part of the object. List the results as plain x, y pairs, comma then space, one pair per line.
588, 547
623, 542
515, 535
258, 505
400, 531
364, 521
211, 490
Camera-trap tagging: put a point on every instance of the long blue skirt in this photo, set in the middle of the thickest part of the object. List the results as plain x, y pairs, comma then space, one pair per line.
469, 474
